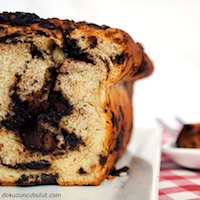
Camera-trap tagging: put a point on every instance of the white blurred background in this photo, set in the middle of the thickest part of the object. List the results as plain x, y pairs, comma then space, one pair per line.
170, 32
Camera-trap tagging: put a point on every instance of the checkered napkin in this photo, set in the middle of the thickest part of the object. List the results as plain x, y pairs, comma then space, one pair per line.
176, 182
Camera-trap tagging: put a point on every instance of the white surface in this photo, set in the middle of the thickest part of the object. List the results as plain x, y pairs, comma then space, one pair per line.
143, 158
186, 157
145, 166
169, 31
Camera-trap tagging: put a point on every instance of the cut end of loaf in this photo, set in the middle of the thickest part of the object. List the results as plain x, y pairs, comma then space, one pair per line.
65, 99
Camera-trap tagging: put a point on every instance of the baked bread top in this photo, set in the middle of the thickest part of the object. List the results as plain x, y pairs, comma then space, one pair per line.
132, 63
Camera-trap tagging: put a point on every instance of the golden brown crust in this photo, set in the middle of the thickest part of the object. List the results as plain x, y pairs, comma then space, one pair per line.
120, 117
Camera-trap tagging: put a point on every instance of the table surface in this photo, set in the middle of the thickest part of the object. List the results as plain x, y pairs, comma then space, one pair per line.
176, 182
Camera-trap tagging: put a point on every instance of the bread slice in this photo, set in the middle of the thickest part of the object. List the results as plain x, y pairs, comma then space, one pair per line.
65, 99
189, 136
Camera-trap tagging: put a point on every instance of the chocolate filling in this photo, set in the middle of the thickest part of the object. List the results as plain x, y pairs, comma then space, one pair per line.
35, 165
82, 171
103, 27
120, 58
141, 69
46, 24
92, 25
35, 52
119, 141
25, 19
116, 172
102, 160
49, 179
92, 41
43, 179
12, 38
72, 142
72, 50
19, 18
187, 127
29, 116
114, 120
22, 180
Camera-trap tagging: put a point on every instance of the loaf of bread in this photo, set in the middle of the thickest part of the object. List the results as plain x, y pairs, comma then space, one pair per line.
65, 99
189, 136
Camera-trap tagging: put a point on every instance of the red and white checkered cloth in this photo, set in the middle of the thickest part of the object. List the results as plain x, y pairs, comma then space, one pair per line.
176, 182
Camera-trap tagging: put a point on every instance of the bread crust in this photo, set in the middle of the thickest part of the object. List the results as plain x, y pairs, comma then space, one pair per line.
131, 64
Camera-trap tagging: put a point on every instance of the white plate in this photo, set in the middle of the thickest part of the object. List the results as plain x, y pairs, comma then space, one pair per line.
143, 159
186, 157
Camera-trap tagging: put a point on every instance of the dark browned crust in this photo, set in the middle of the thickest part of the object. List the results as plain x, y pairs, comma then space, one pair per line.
27, 19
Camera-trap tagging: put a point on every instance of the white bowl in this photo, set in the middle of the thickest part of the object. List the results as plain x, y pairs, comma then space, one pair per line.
186, 157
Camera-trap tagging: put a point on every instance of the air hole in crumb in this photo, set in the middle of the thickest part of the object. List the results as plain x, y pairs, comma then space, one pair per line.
81, 111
